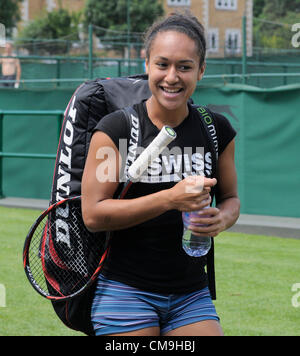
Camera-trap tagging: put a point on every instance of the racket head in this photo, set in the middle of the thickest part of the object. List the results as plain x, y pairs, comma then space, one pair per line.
61, 257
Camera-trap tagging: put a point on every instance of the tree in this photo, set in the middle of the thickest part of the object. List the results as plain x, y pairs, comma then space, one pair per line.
56, 26
274, 9
258, 6
276, 35
112, 15
273, 27
9, 14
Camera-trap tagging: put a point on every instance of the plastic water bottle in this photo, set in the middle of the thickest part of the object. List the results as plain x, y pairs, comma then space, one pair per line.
195, 246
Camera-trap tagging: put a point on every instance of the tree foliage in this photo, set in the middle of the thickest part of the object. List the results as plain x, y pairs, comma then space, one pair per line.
9, 13
272, 26
112, 15
275, 9
258, 7
58, 25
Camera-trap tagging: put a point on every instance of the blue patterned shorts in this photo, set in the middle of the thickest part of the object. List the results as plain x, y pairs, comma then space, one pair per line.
119, 308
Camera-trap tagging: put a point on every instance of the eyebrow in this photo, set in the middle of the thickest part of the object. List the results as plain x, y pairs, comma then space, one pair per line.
181, 61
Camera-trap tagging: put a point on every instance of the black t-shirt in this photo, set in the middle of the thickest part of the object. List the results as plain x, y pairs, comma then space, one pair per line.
150, 256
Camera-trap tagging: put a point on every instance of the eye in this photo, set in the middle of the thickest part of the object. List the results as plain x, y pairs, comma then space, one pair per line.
161, 65
184, 68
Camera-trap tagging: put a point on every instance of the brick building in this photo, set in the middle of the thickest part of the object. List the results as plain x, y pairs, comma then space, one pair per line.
31, 9
222, 19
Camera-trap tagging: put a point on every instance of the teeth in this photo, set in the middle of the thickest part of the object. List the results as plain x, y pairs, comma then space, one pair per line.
171, 90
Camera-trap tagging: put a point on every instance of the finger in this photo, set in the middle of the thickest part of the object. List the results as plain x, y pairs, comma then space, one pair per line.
204, 218
208, 211
199, 203
210, 182
205, 234
208, 230
202, 221
204, 230
206, 190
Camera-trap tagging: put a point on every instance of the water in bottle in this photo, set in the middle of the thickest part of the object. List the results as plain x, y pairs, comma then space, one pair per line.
195, 246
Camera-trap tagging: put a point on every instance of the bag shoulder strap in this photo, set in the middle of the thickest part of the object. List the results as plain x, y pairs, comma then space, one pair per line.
134, 132
208, 123
132, 121
128, 111
134, 139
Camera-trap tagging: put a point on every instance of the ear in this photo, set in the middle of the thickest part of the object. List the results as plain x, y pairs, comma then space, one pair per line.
147, 65
201, 71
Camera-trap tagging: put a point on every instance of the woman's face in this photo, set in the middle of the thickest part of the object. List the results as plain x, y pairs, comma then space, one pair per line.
173, 67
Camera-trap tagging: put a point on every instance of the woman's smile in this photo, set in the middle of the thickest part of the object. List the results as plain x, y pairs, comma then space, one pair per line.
171, 92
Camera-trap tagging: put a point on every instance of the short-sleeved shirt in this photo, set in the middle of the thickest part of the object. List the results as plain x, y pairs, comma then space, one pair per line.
150, 256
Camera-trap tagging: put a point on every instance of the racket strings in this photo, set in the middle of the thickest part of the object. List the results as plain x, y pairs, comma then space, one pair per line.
63, 254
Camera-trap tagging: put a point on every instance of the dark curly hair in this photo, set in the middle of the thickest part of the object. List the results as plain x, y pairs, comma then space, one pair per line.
184, 23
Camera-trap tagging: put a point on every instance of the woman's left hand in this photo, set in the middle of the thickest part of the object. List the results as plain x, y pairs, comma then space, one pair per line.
217, 219
208, 222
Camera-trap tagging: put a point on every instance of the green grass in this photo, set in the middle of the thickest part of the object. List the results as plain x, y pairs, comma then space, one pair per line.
254, 277
26, 312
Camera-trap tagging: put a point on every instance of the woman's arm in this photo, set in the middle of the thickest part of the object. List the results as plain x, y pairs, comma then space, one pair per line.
100, 180
227, 209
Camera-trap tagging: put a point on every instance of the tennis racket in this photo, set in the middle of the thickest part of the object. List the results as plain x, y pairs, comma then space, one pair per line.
61, 257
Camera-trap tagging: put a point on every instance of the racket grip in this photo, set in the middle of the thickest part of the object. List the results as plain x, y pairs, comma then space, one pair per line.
161, 141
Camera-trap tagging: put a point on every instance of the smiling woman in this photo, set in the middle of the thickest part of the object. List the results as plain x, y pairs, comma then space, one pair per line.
149, 286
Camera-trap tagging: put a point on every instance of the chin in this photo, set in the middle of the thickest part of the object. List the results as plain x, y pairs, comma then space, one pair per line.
172, 105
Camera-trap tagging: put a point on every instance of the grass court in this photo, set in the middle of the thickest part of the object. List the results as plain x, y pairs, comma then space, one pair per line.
254, 276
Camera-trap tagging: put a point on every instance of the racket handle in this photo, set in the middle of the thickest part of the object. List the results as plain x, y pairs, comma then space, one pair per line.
161, 141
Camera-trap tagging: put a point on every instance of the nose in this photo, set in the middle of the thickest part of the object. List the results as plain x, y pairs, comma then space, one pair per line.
171, 76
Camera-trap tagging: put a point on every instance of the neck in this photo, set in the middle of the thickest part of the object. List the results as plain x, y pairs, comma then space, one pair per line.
161, 116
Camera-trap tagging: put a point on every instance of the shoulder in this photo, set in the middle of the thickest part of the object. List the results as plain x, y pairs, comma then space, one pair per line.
225, 131
222, 126
114, 125
117, 115
212, 116
222, 121
114, 120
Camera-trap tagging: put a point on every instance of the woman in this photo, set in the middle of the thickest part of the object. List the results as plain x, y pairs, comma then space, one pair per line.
149, 286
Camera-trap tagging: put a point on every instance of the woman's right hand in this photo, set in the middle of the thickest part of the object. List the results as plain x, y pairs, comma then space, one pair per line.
192, 193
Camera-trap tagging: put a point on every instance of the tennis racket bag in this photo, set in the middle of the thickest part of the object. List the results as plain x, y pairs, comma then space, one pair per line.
89, 104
